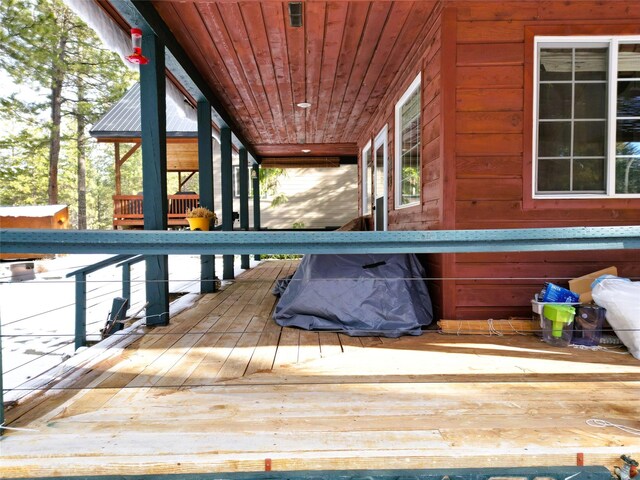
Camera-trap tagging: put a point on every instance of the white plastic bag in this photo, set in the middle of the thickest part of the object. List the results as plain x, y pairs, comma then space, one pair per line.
621, 298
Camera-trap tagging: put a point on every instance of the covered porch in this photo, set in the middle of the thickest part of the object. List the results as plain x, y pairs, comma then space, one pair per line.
224, 389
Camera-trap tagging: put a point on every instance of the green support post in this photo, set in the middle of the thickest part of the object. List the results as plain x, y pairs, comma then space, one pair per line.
255, 178
81, 310
227, 196
205, 177
244, 200
154, 173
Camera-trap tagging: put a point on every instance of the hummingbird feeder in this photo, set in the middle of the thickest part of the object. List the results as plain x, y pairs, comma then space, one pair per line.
136, 43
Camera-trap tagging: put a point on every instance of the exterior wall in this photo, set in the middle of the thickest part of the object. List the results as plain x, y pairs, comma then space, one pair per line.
35, 217
493, 144
426, 58
477, 72
316, 197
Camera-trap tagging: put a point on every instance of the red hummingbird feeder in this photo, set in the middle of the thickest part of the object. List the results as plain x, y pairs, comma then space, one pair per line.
136, 43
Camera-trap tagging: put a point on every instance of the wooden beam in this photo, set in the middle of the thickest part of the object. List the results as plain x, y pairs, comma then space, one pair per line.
116, 152
131, 151
316, 150
154, 174
205, 178
244, 200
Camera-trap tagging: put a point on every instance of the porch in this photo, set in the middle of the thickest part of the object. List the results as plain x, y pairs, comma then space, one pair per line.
128, 212
222, 388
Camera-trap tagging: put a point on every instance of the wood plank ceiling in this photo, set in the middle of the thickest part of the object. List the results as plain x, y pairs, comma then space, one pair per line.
341, 61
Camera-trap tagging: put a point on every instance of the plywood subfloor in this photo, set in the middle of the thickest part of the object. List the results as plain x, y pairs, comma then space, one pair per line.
222, 388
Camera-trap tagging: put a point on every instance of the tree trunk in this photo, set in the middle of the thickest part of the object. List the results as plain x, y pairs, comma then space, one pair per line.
57, 81
81, 152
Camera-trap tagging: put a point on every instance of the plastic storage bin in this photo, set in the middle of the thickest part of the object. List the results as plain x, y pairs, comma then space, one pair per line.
557, 324
587, 325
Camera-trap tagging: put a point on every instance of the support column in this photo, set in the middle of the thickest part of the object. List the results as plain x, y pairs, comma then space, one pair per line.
205, 178
154, 173
255, 178
244, 200
227, 196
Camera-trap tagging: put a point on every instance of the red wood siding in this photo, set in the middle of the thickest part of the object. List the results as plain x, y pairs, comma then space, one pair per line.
493, 128
476, 150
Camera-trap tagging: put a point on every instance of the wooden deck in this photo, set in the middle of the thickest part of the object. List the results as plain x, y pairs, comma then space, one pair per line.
222, 388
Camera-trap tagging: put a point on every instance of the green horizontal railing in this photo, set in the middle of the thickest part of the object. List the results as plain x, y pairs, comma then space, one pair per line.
523, 473
206, 243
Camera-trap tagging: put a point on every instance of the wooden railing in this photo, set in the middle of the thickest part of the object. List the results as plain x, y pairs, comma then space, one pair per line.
127, 209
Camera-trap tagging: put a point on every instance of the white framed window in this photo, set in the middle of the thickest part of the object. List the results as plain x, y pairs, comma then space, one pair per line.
586, 140
407, 147
367, 179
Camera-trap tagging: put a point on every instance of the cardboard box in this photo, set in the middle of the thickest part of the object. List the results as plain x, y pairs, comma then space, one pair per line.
582, 285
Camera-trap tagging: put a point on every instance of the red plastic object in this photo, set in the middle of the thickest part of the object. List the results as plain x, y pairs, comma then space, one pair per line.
136, 44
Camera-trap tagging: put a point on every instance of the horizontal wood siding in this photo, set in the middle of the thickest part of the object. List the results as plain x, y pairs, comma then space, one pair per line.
425, 57
493, 128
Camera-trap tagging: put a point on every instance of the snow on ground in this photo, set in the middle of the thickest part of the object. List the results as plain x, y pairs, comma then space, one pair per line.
38, 316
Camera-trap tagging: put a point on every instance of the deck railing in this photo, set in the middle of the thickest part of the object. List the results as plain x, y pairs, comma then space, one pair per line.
128, 209
203, 243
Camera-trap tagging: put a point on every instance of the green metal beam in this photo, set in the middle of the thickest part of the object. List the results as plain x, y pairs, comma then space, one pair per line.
433, 241
226, 181
255, 178
244, 200
205, 178
154, 174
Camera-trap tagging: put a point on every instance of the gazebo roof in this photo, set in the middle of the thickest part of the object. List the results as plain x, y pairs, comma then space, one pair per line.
123, 119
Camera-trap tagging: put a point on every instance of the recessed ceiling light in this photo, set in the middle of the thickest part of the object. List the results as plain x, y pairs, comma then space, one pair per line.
303, 105
306, 150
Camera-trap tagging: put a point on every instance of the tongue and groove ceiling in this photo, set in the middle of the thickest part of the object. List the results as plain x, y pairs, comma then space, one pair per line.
341, 61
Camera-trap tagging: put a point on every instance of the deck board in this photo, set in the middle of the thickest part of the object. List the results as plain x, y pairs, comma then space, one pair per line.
222, 388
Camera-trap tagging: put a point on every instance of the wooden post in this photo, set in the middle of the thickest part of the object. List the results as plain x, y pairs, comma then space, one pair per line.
116, 147
205, 178
244, 200
227, 196
154, 173
255, 178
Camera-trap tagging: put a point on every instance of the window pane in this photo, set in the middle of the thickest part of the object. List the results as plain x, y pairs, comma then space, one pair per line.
589, 174
591, 64
628, 175
554, 175
366, 182
591, 100
555, 64
588, 139
379, 182
410, 149
628, 137
629, 60
555, 100
554, 139
628, 99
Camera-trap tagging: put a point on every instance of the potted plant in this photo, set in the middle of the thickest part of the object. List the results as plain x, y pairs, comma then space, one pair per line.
200, 218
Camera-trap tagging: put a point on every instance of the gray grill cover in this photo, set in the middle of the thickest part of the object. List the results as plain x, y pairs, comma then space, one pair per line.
360, 295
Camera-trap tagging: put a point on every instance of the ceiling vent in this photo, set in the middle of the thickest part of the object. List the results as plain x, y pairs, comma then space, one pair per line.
295, 14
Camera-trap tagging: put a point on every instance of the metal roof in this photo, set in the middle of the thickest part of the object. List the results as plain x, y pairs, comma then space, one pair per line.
123, 119
31, 210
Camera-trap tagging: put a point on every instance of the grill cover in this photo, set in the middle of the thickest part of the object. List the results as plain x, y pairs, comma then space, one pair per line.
360, 295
